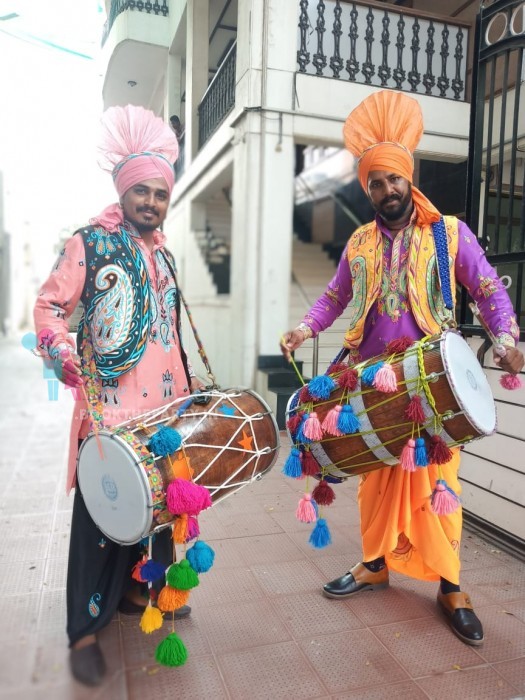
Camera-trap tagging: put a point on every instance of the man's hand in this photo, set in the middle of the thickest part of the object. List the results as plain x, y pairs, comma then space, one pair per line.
196, 385
291, 341
67, 368
512, 361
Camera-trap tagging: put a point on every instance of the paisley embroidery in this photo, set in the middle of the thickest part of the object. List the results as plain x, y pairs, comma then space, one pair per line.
93, 608
357, 303
105, 243
113, 312
435, 299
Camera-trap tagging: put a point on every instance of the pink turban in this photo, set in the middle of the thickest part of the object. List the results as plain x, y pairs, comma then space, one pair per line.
135, 146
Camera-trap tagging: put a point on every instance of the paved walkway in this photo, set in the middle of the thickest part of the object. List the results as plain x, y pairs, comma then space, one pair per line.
260, 628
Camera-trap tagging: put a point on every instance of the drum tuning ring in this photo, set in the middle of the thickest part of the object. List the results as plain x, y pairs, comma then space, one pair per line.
432, 377
447, 415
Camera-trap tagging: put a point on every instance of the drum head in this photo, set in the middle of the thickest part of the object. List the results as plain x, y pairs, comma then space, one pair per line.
115, 489
469, 383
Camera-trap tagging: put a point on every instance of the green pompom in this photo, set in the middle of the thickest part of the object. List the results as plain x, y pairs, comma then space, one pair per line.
171, 651
182, 576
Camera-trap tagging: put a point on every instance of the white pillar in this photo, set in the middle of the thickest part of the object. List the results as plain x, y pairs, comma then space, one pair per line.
174, 88
197, 32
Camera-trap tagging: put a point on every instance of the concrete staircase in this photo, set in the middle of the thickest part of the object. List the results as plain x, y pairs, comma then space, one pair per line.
312, 269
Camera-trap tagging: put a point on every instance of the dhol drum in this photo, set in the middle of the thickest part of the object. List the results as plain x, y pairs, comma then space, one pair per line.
226, 444
453, 392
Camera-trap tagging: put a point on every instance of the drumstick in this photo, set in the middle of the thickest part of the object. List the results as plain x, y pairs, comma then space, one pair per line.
498, 347
95, 427
292, 362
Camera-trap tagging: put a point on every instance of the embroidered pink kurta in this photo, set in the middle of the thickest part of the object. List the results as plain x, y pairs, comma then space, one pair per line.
156, 379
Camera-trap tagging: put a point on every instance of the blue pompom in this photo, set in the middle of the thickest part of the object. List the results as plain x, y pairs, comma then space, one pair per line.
320, 536
152, 571
200, 556
369, 373
321, 386
165, 441
348, 422
292, 466
420, 456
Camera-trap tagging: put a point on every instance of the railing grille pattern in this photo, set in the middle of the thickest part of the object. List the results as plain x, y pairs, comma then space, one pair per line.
219, 98
383, 48
156, 7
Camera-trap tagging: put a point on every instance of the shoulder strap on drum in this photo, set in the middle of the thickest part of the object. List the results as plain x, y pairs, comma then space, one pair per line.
439, 232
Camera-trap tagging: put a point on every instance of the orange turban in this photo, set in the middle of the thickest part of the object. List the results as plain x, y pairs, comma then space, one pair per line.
383, 132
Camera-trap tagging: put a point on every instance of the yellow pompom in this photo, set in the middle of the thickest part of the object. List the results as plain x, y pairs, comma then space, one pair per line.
171, 599
151, 619
180, 529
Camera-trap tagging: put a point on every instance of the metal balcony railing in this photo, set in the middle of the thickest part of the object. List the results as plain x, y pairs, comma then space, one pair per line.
156, 7
383, 47
179, 163
219, 98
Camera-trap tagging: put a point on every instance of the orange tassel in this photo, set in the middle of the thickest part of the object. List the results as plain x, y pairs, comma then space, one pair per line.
180, 529
171, 599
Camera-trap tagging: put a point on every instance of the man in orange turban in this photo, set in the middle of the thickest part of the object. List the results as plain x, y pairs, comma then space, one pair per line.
396, 282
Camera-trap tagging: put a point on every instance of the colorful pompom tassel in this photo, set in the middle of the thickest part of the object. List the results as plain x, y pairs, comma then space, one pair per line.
193, 528
312, 427
304, 395
443, 500
181, 576
369, 373
385, 379
165, 441
152, 571
510, 381
348, 422
398, 345
321, 387
323, 494
171, 651
329, 424
438, 450
306, 511
320, 536
180, 529
348, 379
414, 411
292, 467
336, 368
293, 423
151, 619
301, 437
201, 557
136, 572
407, 458
171, 599
186, 497
309, 464
420, 456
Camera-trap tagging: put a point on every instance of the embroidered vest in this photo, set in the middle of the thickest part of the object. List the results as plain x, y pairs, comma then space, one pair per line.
365, 258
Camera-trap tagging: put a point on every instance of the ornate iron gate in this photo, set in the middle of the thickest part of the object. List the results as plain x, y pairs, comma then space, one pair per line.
495, 206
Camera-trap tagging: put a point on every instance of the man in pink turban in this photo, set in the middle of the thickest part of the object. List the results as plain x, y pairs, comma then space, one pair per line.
387, 280
133, 361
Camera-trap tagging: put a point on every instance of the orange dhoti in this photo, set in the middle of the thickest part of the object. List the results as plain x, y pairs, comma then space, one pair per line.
397, 521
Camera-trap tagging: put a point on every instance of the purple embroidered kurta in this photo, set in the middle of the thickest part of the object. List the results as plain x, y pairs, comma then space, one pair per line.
390, 316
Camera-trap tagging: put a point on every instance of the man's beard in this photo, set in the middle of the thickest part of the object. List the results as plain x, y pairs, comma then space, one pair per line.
392, 214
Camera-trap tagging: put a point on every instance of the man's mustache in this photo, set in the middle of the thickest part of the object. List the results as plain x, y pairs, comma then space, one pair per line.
392, 198
148, 210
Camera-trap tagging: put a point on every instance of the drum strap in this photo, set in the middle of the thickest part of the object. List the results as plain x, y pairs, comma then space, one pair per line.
200, 346
439, 232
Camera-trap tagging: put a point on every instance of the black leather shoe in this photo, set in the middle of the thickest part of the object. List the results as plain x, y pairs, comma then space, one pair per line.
358, 579
461, 617
127, 607
88, 665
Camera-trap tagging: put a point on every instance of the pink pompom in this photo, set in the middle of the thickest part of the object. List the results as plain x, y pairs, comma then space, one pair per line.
312, 427
407, 458
329, 424
510, 381
443, 500
193, 528
186, 497
305, 510
385, 379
